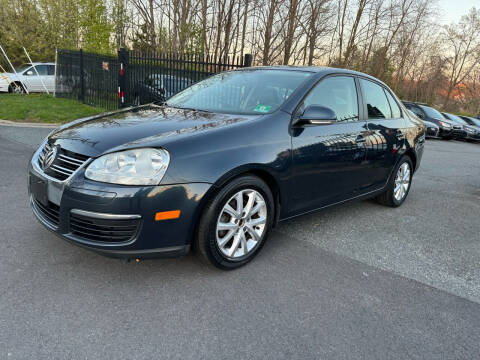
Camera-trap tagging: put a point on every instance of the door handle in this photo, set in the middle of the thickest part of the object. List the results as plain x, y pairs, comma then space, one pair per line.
360, 139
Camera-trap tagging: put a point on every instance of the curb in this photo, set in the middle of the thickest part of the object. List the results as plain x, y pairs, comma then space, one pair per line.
28, 124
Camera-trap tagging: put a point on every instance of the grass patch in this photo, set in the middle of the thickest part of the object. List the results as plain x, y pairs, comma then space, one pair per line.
43, 108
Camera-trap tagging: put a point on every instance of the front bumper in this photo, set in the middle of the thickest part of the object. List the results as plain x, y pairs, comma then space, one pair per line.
472, 137
459, 134
444, 132
431, 132
3, 86
97, 216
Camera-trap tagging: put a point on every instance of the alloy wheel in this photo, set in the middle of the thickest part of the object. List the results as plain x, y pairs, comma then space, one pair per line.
18, 89
402, 182
241, 224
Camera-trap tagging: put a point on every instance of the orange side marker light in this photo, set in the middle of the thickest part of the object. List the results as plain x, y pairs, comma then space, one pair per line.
167, 215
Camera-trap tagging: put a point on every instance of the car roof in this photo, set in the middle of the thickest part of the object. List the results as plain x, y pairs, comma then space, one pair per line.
415, 103
41, 63
325, 70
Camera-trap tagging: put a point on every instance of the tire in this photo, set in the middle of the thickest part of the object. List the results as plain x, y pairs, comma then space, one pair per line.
16, 88
389, 197
447, 138
241, 231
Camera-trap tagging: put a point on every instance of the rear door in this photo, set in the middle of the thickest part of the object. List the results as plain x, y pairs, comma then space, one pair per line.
328, 160
386, 131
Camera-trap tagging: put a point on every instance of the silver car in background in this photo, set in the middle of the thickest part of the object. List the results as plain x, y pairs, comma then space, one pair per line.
27, 79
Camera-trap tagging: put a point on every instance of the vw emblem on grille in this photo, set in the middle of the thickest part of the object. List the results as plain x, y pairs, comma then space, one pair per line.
49, 158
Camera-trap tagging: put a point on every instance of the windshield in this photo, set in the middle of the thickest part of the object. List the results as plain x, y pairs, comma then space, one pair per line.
475, 122
241, 92
22, 68
457, 119
431, 112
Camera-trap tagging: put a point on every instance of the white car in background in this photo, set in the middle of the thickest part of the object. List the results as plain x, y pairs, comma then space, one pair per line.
27, 78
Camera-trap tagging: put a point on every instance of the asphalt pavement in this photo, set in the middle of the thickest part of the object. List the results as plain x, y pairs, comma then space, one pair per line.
360, 281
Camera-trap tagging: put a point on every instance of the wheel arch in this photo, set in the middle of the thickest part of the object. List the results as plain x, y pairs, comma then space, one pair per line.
413, 157
15, 83
256, 170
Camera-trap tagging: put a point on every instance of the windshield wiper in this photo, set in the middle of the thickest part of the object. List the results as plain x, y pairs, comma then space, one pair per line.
185, 108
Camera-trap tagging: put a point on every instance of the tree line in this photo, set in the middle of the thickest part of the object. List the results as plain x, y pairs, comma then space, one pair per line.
398, 41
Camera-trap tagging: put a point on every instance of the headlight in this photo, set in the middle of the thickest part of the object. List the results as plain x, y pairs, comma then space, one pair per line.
445, 124
130, 167
471, 131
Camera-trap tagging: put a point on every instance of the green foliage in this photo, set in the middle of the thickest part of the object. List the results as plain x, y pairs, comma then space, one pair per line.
43, 25
42, 108
95, 28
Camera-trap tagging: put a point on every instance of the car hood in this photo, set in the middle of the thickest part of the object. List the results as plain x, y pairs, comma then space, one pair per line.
150, 125
430, 124
8, 77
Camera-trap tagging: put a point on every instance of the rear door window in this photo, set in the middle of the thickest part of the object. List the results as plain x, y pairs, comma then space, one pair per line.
376, 100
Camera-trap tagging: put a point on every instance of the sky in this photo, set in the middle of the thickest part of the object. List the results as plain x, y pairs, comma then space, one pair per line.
453, 10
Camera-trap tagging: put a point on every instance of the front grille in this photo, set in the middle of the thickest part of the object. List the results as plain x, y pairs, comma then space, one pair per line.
103, 230
50, 213
65, 163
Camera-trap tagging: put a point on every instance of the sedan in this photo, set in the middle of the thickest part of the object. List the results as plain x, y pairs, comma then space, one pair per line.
218, 165
468, 132
427, 113
35, 77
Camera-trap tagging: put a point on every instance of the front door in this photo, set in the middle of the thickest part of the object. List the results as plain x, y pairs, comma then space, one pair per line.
329, 160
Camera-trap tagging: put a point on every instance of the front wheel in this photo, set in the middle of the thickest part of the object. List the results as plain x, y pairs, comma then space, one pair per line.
16, 88
399, 184
235, 223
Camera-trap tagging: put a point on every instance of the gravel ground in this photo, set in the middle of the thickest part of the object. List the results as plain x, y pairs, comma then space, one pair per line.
357, 281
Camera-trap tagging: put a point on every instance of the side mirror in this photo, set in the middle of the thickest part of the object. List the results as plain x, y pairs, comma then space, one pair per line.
316, 115
29, 73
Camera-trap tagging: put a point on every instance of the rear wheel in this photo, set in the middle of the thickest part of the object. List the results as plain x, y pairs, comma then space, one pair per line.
235, 223
399, 184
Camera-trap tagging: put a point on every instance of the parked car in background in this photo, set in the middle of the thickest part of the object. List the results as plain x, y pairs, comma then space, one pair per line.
468, 132
27, 78
220, 163
432, 115
158, 87
471, 120
431, 129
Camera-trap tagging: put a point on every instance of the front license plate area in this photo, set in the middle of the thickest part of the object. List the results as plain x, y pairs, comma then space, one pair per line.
39, 189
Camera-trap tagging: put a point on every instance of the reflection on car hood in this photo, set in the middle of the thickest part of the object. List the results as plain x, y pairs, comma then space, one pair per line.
123, 129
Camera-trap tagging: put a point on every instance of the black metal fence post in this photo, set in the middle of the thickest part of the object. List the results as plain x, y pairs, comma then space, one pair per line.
247, 61
123, 95
82, 78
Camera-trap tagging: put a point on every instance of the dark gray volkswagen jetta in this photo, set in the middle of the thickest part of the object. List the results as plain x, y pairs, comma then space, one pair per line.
219, 164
